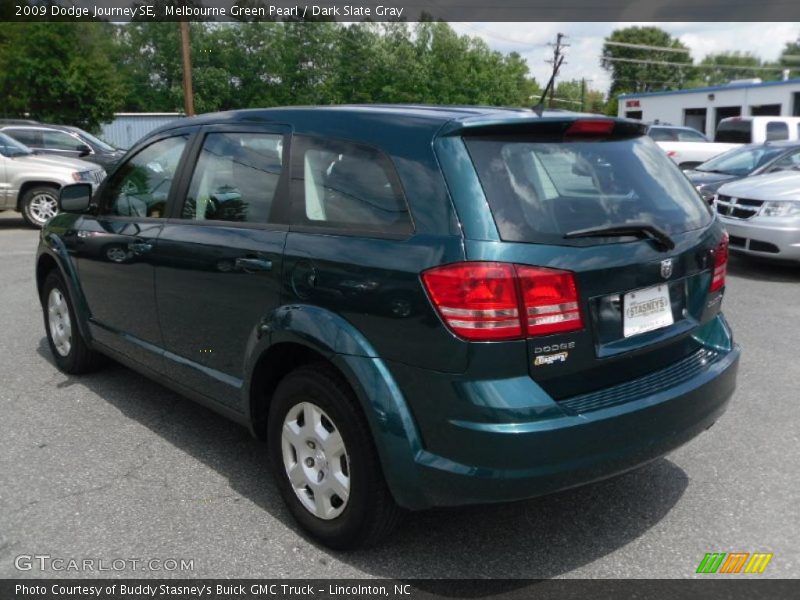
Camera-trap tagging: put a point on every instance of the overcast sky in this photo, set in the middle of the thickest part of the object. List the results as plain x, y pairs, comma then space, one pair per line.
765, 40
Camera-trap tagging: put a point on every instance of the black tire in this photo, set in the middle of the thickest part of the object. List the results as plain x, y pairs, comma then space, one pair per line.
370, 513
32, 216
79, 358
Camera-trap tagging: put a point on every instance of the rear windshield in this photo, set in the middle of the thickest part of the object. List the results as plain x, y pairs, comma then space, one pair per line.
734, 132
539, 191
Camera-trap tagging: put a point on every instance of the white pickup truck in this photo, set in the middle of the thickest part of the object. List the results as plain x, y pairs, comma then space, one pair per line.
686, 147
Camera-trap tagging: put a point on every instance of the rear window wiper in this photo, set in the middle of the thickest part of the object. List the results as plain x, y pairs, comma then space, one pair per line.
636, 229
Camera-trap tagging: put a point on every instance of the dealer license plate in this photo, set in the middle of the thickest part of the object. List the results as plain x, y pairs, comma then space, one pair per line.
645, 310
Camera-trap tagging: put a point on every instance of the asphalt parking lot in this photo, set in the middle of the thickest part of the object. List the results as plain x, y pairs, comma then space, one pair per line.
112, 466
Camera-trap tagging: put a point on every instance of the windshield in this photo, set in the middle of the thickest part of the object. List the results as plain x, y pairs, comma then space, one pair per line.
10, 147
539, 191
93, 139
740, 161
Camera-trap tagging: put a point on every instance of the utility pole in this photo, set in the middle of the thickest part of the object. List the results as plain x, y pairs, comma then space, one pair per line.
557, 61
188, 95
583, 94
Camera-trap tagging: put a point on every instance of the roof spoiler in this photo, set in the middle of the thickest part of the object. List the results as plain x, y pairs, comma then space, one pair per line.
552, 127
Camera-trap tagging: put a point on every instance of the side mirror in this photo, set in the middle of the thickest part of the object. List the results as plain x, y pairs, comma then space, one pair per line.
83, 149
75, 198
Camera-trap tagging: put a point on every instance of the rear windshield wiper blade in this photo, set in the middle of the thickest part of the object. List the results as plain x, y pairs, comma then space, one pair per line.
640, 230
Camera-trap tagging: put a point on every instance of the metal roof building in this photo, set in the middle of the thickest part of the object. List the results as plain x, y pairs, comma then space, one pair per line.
703, 108
127, 128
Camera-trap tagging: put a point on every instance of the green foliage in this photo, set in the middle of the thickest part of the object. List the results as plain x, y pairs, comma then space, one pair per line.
80, 73
629, 77
60, 72
578, 95
790, 56
260, 64
715, 69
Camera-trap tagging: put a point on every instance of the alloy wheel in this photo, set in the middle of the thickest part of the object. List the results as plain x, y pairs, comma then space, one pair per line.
42, 207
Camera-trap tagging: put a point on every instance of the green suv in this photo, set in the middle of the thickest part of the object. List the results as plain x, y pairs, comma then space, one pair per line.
414, 306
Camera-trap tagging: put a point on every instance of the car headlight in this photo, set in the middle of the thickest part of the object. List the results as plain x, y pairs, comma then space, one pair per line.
785, 208
87, 176
94, 176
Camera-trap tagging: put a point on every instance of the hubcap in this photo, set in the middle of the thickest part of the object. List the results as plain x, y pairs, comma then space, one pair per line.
42, 207
59, 322
316, 461
116, 254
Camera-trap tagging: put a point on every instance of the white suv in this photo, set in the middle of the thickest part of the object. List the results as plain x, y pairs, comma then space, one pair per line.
29, 182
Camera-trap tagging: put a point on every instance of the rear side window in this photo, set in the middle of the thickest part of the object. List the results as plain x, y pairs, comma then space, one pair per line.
347, 186
29, 137
735, 132
777, 130
236, 178
539, 191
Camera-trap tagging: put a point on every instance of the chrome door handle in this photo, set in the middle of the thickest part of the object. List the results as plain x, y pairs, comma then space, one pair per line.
250, 265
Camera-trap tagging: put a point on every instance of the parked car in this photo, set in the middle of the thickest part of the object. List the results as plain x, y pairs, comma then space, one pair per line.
745, 161
29, 182
18, 122
440, 306
675, 133
64, 140
686, 146
757, 130
762, 215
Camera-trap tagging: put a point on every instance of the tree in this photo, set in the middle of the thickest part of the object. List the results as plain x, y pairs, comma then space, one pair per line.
60, 72
790, 57
716, 69
644, 69
317, 62
578, 95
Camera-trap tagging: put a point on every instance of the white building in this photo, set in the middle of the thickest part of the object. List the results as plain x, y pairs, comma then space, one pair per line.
127, 128
702, 108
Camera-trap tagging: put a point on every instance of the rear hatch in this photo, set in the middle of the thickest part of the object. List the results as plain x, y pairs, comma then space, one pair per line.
597, 200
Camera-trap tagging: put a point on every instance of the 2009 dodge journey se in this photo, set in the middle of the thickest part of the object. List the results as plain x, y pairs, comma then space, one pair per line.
415, 306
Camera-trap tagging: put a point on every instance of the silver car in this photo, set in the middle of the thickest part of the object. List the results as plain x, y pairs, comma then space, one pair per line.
29, 182
762, 214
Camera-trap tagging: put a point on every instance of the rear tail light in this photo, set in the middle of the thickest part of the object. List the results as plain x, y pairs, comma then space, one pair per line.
477, 300
551, 300
483, 301
720, 255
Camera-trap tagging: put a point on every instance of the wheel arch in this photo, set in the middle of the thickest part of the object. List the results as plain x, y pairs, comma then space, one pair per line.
27, 185
303, 334
53, 256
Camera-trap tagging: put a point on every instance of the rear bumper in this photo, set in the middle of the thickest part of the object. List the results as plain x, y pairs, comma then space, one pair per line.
527, 445
777, 238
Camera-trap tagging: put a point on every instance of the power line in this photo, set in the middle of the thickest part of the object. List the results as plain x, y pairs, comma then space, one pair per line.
692, 65
646, 47
501, 37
